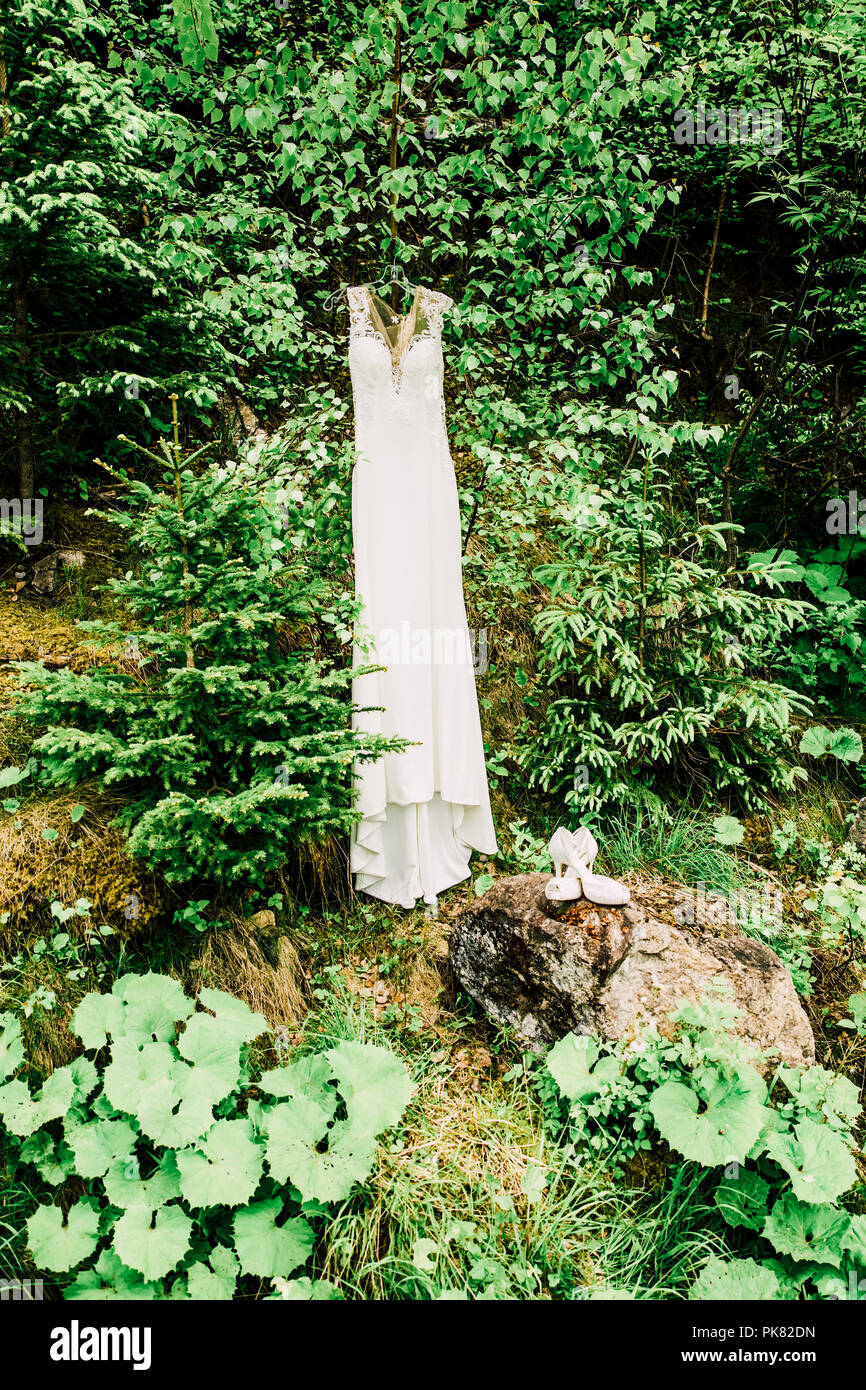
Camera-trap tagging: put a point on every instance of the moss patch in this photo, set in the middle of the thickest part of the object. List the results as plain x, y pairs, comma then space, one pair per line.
84, 859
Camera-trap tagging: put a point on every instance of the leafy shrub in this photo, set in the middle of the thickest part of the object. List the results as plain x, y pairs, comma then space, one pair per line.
825, 655
654, 660
190, 1184
232, 738
840, 900
778, 1158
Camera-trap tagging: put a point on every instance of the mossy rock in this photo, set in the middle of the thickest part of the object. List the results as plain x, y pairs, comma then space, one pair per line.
86, 858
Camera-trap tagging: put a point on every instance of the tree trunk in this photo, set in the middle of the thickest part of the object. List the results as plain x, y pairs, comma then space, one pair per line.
26, 458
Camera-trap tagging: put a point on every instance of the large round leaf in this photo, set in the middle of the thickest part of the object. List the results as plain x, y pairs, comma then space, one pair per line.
23, 1113
570, 1063
154, 1005
133, 1070
235, 1019
174, 1112
807, 1232
97, 1144
722, 1132
735, 1280
215, 1054
109, 1280
742, 1200
374, 1084
60, 1244
124, 1186
297, 1154
154, 1243
98, 1017
266, 1249
818, 1161
224, 1168
216, 1280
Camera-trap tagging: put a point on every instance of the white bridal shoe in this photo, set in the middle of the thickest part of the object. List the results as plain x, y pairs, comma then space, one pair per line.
573, 856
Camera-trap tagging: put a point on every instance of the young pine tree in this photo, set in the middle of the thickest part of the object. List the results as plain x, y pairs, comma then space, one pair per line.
230, 737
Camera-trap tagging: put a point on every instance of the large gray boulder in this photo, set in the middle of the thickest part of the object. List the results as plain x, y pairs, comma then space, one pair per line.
614, 971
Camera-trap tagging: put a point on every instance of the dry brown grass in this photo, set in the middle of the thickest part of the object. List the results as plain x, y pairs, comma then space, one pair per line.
262, 969
30, 630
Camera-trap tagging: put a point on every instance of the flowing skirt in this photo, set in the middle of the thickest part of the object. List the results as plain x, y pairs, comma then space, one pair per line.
423, 810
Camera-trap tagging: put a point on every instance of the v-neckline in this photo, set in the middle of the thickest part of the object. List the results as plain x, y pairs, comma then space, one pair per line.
401, 320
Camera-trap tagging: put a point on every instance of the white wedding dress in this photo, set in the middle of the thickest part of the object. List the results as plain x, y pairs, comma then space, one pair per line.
423, 810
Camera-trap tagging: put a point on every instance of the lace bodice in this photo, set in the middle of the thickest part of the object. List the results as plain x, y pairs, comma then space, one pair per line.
397, 368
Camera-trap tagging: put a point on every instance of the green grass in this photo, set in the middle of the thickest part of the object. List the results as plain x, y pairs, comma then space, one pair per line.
17, 1200
680, 848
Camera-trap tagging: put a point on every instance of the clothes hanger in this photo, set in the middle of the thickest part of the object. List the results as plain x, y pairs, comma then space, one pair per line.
333, 299
393, 277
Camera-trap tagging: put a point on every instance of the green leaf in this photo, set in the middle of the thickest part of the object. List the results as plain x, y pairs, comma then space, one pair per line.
570, 1063
224, 1168
309, 1077
53, 1166
807, 1232
296, 1152
124, 1186
266, 1249
374, 1084
154, 1005
732, 1281
18, 1109
743, 1200
722, 1132
154, 1243
816, 741
58, 1093
533, 1184
215, 1053
23, 1113
424, 1254
76, 813
818, 1090
847, 746
59, 1244
307, 1290
817, 1160
236, 1020
854, 1239
133, 1072
196, 35
111, 1279
216, 1280
99, 1143
175, 1111
11, 776
11, 1045
728, 830
98, 1017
